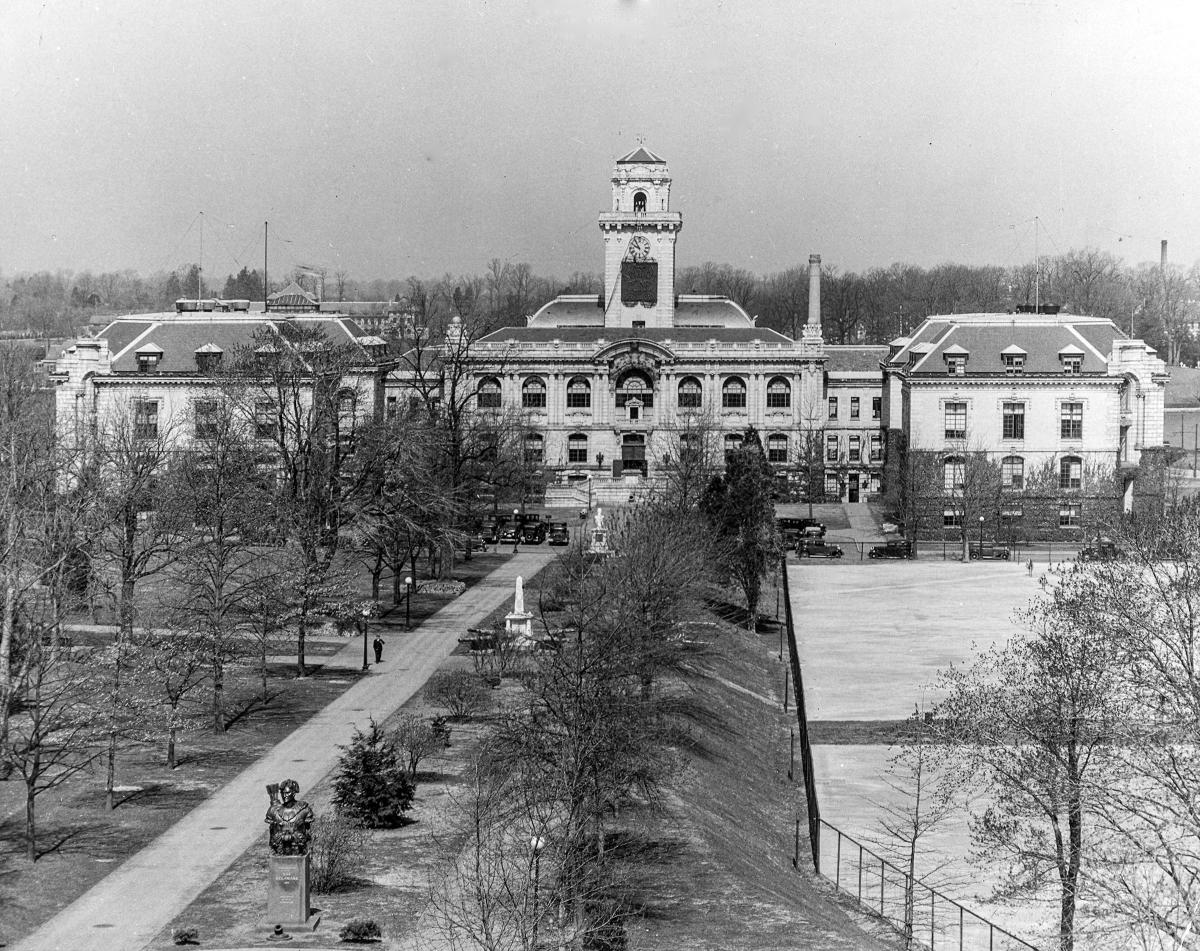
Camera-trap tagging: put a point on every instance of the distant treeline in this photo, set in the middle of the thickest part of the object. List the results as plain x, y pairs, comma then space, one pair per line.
873, 306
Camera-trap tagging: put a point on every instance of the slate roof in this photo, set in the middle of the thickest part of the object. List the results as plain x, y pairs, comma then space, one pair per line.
180, 337
641, 156
657, 334
987, 336
854, 359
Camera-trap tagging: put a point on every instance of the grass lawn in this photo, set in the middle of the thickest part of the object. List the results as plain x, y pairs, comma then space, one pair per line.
81, 842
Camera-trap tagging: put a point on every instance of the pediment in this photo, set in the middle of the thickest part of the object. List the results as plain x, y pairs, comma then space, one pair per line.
634, 352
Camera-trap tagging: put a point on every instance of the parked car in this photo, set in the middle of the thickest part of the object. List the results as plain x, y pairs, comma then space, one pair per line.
492, 533
559, 534
818, 548
989, 551
533, 533
474, 541
896, 548
793, 528
1104, 550
509, 535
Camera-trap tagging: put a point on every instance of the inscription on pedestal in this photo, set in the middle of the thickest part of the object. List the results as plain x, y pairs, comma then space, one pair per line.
287, 898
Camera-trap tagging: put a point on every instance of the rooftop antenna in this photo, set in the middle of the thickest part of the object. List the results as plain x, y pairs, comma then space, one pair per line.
1037, 269
200, 266
266, 284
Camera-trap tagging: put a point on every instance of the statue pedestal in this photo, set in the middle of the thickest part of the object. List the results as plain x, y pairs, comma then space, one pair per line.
520, 626
287, 893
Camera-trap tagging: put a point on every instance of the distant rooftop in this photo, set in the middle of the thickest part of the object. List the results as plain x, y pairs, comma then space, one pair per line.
641, 156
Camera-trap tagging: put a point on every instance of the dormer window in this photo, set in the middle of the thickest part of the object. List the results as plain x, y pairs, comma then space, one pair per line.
1071, 359
1013, 359
208, 358
956, 360
148, 358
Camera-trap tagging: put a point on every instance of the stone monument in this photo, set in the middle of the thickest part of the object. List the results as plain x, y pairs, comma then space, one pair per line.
599, 542
291, 822
519, 622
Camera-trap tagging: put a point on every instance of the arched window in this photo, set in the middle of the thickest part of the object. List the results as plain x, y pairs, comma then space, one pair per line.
954, 473
488, 396
639, 202
733, 442
579, 393
635, 385
689, 446
533, 393
777, 448
534, 449
690, 393
779, 393
1012, 472
1070, 473
733, 393
577, 448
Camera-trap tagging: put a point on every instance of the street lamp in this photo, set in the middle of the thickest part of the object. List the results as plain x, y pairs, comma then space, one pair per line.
362, 622
408, 584
536, 843
516, 529
980, 536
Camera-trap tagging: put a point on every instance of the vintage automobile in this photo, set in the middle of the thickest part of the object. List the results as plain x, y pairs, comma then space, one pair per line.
559, 534
896, 548
793, 529
989, 551
510, 535
818, 548
533, 533
1104, 550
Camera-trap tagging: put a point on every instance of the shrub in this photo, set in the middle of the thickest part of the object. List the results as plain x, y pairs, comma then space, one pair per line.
361, 930
417, 738
186, 936
335, 850
372, 788
461, 692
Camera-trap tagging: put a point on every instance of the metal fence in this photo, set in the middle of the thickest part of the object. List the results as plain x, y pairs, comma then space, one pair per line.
881, 888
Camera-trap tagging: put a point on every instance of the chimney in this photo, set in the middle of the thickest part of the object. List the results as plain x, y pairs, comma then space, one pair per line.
320, 282
1163, 255
814, 291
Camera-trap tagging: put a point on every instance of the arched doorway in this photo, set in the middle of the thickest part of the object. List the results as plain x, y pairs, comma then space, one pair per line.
633, 454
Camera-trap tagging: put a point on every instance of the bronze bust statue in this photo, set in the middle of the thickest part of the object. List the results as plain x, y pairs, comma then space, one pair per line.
290, 820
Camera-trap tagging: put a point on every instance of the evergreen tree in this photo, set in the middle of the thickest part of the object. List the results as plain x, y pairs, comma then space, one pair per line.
373, 787
741, 512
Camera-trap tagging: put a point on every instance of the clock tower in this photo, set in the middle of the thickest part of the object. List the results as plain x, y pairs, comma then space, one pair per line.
639, 243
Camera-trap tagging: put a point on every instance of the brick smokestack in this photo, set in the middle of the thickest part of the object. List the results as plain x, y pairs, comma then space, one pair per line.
1163, 255
814, 291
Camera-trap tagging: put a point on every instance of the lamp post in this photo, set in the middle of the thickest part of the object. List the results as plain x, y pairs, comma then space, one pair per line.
980, 536
408, 585
536, 843
516, 529
362, 622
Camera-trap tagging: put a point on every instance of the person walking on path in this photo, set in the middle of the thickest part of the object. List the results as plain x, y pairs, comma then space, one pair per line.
378, 645
1029, 567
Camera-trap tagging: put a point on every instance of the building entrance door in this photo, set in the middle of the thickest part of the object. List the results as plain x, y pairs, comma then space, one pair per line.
852, 487
633, 454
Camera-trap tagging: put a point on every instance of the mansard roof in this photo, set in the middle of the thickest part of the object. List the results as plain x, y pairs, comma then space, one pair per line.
1041, 337
598, 332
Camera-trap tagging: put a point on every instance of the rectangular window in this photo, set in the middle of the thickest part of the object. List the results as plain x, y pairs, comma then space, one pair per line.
145, 419
953, 475
264, 419
1070, 473
833, 407
392, 407
876, 407
638, 323
956, 366
1011, 514
147, 362
577, 451
1012, 472
951, 518
1072, 365
956, 420
876, 447
831, 448
206, 419
1014, 420
831, 486
855, 448
1071, 420
854, 407
1014, 364
1069, 516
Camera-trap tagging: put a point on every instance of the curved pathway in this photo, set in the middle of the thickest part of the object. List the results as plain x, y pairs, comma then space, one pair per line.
126, 910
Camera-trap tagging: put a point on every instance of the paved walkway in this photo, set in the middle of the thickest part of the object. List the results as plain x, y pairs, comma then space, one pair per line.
138, 899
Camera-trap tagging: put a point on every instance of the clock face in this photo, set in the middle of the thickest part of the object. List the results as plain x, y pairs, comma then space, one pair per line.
639, 248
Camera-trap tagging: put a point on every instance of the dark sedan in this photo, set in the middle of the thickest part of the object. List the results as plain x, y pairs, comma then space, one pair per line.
1104, 550
816, 548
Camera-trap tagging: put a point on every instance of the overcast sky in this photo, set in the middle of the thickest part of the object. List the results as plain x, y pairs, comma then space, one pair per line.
397, 138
